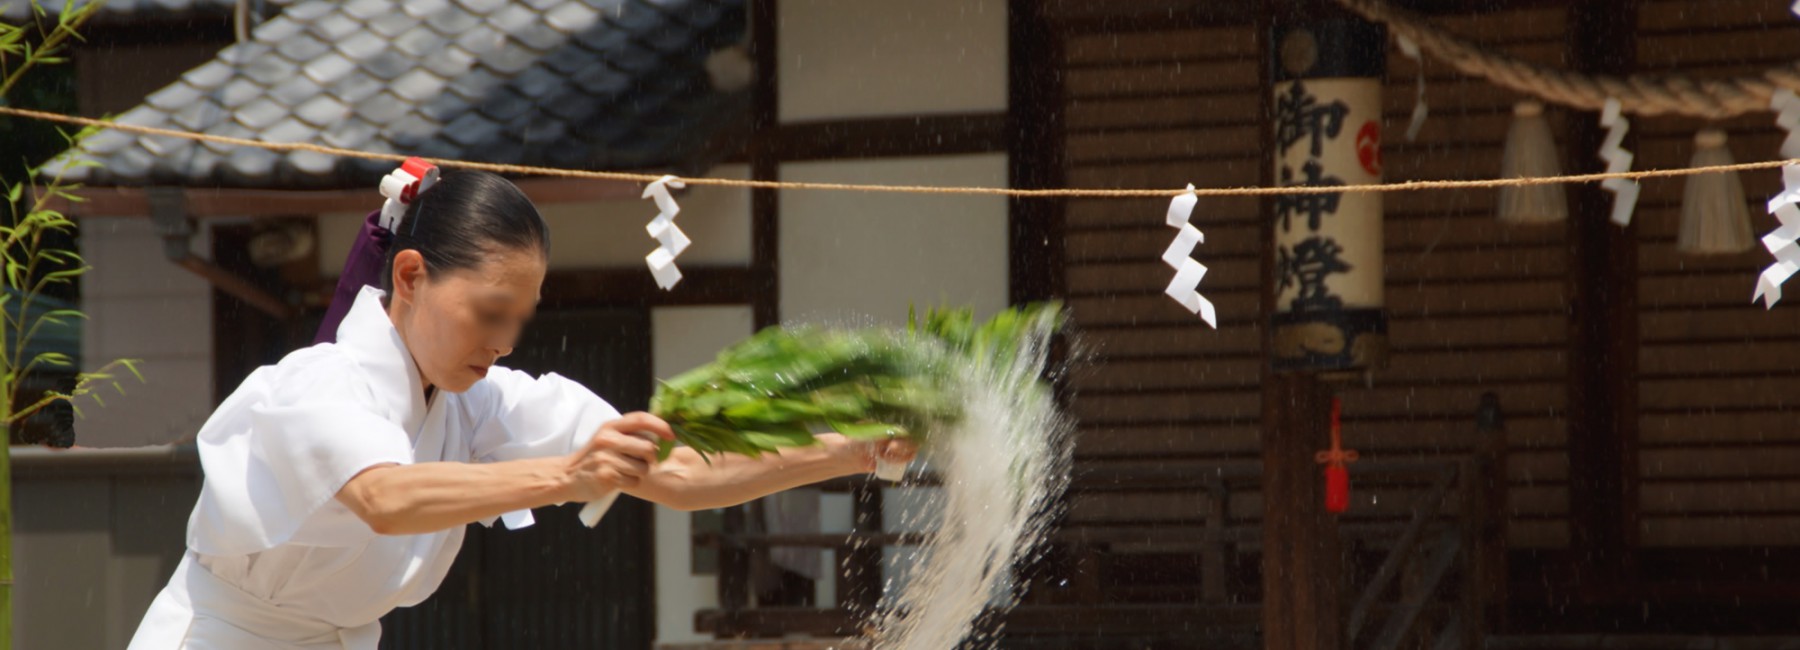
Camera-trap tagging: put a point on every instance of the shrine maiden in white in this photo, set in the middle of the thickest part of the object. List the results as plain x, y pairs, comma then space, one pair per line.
339, 481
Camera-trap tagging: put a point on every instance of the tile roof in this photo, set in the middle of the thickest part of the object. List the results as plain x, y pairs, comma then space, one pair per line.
595, 84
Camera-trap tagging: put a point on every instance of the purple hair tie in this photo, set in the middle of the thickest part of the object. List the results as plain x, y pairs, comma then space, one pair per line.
368, 256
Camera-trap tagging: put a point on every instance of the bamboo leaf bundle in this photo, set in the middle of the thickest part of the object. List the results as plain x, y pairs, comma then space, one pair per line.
780, 386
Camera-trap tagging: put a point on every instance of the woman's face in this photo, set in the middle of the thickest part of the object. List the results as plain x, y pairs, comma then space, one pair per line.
458, 323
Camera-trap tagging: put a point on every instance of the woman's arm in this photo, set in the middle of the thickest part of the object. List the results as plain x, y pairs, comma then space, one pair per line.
428, 497
687, 482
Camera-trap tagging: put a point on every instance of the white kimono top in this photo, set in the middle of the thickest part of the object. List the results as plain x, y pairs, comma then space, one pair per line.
274, 560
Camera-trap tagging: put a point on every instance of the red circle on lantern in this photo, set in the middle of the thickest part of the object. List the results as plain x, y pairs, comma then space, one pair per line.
1368, 147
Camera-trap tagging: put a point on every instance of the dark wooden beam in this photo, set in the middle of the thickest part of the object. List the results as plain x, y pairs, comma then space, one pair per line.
1303, 565
764, 273
1034, 135
700, 285
765, 164
925, 135
1603, 329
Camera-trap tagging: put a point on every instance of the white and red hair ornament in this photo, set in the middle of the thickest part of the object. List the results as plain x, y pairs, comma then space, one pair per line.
402, 186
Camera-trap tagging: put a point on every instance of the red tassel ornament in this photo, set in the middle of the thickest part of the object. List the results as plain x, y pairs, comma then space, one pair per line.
1336, 461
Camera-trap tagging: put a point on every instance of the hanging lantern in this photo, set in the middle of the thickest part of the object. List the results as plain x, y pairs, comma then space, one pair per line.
1531, 153
1328, 247
1715, 216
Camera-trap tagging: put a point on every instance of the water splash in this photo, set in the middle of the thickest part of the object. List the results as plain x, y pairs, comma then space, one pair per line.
1003, 471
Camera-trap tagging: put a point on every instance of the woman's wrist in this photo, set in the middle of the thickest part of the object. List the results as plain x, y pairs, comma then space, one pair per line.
847, 456
558, 475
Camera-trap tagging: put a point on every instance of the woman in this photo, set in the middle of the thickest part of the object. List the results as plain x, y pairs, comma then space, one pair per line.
339, 481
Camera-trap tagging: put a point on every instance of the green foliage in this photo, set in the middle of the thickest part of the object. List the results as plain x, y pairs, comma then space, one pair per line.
780, 386
33, 240
31, 78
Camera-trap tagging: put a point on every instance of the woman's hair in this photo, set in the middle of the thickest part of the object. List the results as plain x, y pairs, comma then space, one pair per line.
462, 218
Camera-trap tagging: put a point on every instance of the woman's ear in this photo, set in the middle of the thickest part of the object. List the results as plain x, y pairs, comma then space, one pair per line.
409, 275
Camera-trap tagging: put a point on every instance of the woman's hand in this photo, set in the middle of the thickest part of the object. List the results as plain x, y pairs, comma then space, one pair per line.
859, 456
618, 456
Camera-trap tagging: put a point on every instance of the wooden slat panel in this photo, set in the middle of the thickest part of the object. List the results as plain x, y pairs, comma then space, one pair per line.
1161, 79
1528, 533
1703, 498
1715, 428
1716, 393
1681, 326
1096, 444
1367, 502
1733, 530
1715, 358
1672, 464
1686, 15
1191, 44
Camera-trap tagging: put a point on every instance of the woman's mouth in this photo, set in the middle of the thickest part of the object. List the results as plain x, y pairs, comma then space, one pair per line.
480, 371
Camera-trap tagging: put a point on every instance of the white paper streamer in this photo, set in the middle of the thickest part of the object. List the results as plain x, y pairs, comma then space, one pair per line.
1785, 205
1184, 288
518, 519
1618, 160
662, 260
1420, 110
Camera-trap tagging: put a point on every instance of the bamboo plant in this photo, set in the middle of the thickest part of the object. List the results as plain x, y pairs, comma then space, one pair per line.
34, 263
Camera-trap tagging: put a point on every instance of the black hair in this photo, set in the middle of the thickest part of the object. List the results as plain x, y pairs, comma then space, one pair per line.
463, 217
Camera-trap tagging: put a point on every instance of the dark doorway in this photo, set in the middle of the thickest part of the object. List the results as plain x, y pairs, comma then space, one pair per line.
556, 584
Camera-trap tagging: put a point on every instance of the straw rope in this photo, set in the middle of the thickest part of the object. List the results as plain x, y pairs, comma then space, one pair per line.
527, 170
1710, 99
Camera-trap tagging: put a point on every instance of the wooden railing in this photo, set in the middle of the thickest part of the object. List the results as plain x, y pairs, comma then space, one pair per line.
1451, 534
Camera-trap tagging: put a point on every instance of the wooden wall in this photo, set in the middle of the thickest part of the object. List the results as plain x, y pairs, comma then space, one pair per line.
1475, 305
1719, 459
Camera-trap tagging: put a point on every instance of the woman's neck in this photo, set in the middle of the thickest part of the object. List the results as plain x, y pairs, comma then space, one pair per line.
399, 316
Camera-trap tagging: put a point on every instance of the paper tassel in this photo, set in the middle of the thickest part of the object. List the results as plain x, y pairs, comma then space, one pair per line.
662, 260
1530, 153
1618, 160
1715, 216
1184, 288
1420, 110
1785, 206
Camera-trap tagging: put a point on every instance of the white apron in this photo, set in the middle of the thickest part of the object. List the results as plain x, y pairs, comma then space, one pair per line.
274, 561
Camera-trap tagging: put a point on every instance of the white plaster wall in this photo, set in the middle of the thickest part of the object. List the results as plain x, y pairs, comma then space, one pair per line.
852, 257
683, 338
601, 234
141, 306
867, 58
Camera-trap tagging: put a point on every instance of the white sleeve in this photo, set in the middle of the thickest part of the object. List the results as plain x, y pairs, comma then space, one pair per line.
535, 417
279, 449
526, 417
